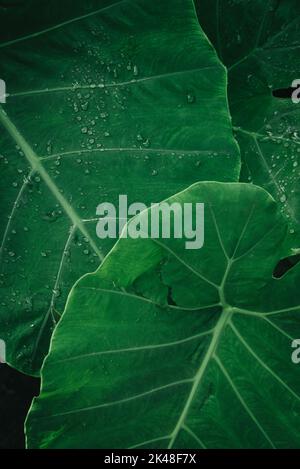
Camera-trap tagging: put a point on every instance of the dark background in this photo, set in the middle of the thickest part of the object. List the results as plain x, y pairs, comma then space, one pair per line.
16, 393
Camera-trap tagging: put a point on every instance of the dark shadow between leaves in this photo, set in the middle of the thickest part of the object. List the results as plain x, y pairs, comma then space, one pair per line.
284, 265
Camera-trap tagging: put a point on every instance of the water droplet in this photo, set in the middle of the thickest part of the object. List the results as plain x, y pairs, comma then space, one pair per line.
146, 143
190, 98
56, 292
84, 106
49, 147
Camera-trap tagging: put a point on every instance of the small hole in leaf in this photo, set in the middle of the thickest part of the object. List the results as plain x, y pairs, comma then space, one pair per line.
283, 93
284, 265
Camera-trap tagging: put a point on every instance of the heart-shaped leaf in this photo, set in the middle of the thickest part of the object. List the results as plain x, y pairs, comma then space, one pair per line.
104, 98
196, 353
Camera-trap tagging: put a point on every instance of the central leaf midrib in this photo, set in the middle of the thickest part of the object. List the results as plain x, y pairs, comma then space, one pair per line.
37, 166
219, 328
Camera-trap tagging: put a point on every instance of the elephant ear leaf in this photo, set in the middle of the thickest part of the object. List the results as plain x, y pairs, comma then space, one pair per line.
198, 357
104, 98
259, 42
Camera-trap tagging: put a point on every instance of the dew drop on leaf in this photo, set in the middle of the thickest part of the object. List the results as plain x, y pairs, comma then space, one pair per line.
135, 71
190, 98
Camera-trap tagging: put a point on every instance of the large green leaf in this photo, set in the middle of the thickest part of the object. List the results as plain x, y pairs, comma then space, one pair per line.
259, 42
196, 353
105, 98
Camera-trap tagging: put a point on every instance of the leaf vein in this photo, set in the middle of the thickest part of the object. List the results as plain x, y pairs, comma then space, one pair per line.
259, 360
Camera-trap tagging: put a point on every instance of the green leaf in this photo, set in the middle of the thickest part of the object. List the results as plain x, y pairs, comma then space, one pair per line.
105, 98
196, 353
259, 43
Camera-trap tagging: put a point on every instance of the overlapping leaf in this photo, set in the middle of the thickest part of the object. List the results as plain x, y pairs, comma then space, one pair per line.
259, 42
105, 98
195, 353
